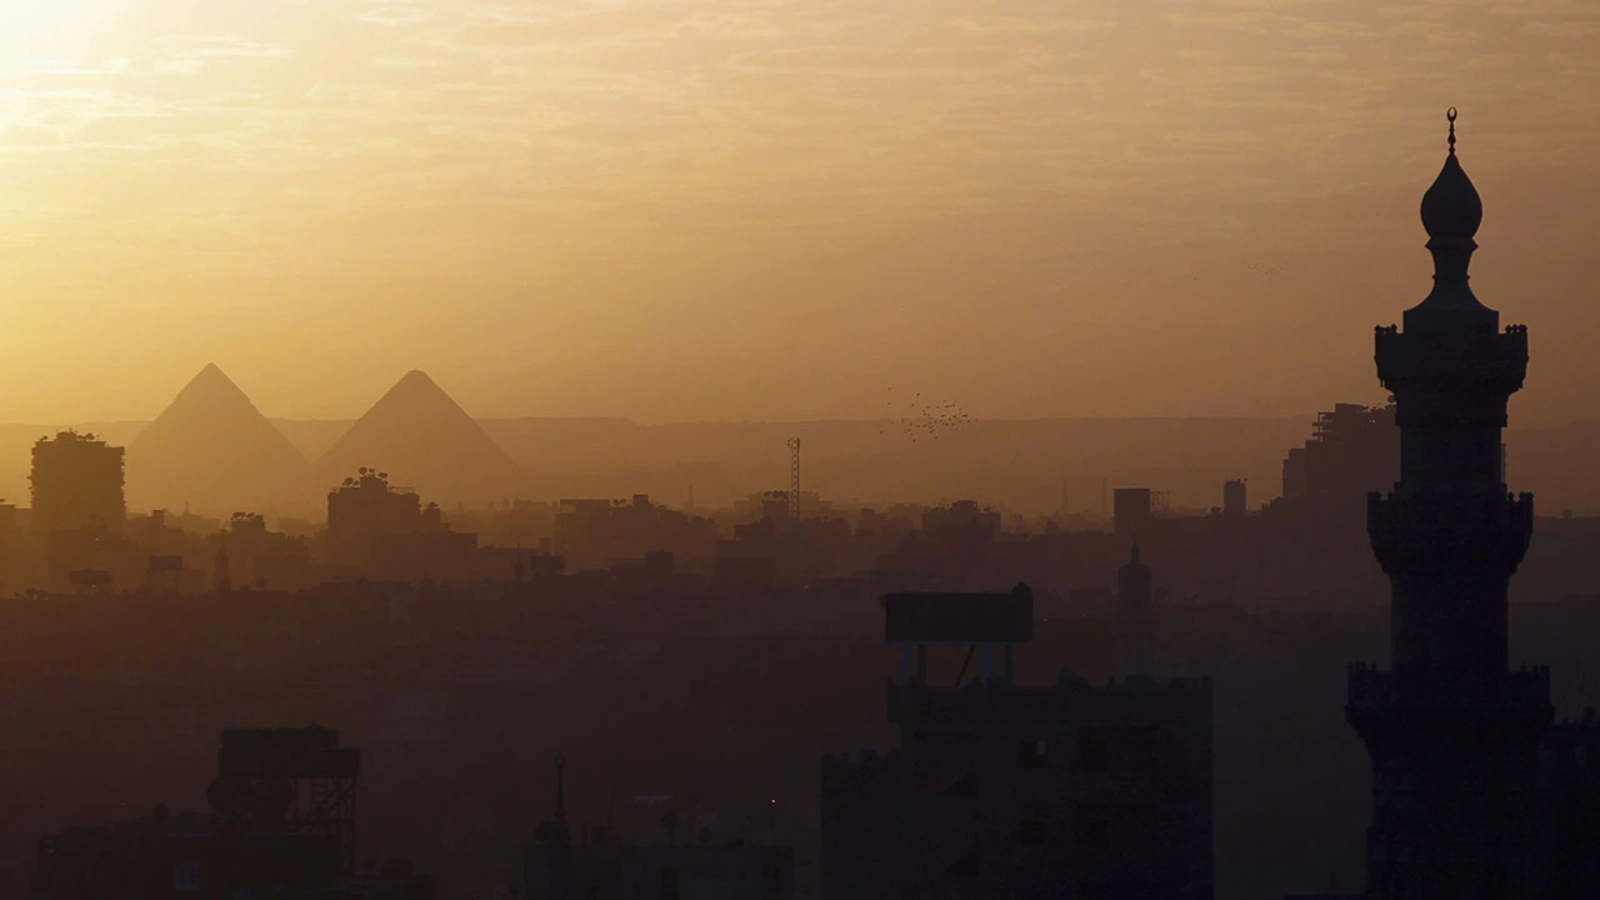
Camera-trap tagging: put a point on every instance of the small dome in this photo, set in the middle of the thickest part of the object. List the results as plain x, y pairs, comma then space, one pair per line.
1451, 208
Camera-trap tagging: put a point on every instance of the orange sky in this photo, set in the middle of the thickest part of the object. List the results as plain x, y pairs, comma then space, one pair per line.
685, 209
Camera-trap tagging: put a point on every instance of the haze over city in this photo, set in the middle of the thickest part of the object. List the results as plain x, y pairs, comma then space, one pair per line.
708, 210
799, 450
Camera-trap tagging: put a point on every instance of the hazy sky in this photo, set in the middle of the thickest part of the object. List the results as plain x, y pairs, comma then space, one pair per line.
681, 209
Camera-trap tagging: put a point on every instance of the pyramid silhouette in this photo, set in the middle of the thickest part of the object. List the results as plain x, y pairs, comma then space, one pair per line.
424, 440
213, 451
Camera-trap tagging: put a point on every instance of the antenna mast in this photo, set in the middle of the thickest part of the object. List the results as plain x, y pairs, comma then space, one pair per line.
794, 478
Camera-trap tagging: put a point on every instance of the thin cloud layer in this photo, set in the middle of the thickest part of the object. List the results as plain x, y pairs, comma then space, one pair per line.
618, 159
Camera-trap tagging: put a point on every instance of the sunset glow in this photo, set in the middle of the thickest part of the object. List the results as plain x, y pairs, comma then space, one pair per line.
603, 208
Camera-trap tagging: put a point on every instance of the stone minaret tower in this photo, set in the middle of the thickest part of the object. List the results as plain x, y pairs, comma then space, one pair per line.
1452, 732
1133, 624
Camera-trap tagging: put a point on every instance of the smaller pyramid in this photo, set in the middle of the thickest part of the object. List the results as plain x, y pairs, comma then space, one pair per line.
213, 451
426, 441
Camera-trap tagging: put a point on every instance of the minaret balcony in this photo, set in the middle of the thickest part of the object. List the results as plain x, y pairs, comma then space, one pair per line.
1478, 361
1460, 533
1429, 689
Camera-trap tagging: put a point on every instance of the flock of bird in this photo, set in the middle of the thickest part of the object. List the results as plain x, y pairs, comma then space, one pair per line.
925, 420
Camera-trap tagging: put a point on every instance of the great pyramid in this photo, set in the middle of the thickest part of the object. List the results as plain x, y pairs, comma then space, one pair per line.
424, 440
213, 451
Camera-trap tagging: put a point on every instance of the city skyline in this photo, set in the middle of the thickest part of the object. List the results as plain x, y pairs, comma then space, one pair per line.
1187, 720
611, 208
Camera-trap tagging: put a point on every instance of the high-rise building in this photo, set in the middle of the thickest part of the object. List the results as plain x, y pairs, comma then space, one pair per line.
1452, 731
77, 481
1353, 450
367, 507
999, 790
1234, 494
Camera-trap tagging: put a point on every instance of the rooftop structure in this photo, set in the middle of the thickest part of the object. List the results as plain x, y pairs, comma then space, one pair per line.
77, 481
1005, 790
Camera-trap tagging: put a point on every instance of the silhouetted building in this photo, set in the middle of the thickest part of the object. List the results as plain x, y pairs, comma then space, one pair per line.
259, 557
367, 507
436, 555
1005, 791
77, 481
1353, 451
1453, 734
1132, 510
418, 429
1569, 802
605, 868
592, 533
963, 518
90, 557
180, 856
283, 826
612, 870
1234, 494
165, 573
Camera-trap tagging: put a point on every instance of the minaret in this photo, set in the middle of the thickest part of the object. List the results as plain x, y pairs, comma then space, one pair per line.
1133, 625
1452, 732
560, 838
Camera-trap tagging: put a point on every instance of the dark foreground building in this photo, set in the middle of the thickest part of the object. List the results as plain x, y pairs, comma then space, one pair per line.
603, 867
1472, 797
1000, 790
282, 826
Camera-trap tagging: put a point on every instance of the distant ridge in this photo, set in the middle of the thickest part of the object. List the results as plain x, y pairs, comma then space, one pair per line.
425, 440
212, 450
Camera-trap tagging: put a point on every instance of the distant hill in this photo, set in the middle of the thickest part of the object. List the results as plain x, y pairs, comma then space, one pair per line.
212, 450
423, 439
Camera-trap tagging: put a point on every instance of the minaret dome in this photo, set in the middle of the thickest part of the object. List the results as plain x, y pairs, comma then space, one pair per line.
1451, 207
